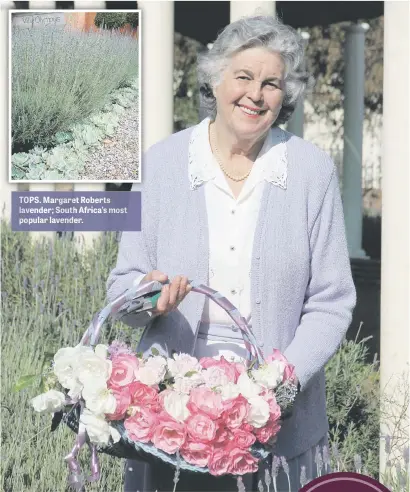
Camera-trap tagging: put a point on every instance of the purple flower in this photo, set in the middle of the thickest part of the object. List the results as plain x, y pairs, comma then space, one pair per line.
275, 466
357, 463
387, 444
406, 455
285, 465
117, 348
303, 477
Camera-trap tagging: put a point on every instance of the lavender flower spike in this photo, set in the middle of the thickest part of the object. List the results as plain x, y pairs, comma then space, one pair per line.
303, 477
268, 478
240, 485
326, 459
285, 467
318, 461
357, 463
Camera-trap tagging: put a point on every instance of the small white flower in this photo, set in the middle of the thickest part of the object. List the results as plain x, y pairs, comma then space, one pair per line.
98, 429
229, 390
270, 374
215, 377
93, 366
185, 385
258, 412
66, 363
247, 387
180, 364
99, 399
153, 371
175, 404
51, 401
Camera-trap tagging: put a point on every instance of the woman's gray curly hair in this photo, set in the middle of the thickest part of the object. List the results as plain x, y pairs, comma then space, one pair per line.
251, 32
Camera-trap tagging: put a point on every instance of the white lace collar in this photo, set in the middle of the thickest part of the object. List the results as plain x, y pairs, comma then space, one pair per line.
272, 157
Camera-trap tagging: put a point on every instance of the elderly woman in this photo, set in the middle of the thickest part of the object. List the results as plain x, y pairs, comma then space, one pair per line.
254, 212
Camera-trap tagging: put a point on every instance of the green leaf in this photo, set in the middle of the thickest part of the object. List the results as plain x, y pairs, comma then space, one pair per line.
154, 351
190, 373
25, 382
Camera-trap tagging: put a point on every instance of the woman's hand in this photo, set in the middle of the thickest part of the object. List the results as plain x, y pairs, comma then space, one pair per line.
171, 294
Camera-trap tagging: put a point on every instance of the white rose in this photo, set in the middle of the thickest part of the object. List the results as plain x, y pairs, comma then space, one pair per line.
153, 371
214, 377
98, 429
229, 390
51, 401
99, 399
93, 366
258, 412
180, 364
75, 389
175, 405
269, 375
66, 363
247, 387
185, 385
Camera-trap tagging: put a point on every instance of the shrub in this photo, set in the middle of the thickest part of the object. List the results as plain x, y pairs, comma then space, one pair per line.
352, 387
110, 20
132, 19
59, 78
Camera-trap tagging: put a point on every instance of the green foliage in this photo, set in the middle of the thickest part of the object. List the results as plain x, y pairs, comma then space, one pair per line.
60, 77
353, 406
110, 20
66, 160
49, 295
132, 19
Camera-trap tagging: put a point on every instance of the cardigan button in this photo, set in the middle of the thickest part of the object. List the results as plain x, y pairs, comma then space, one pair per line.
258, 301
258, 257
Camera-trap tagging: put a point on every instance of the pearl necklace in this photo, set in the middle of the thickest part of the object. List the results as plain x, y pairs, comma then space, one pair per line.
219, 160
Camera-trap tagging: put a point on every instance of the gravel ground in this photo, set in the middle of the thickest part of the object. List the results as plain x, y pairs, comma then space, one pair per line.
117, 158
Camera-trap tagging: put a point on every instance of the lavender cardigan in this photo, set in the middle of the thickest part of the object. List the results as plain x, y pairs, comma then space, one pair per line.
301, 283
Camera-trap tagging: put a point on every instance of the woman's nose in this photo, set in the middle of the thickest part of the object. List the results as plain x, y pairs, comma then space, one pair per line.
255, 91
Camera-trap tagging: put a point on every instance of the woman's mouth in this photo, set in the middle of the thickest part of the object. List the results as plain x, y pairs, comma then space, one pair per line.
253, 112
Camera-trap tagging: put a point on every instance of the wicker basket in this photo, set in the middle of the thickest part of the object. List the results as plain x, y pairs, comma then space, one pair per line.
143, 298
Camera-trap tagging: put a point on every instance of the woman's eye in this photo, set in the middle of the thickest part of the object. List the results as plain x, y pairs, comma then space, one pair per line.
242, 77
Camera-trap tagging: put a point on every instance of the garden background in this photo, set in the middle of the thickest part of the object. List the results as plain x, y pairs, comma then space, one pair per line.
50, 292
74, 79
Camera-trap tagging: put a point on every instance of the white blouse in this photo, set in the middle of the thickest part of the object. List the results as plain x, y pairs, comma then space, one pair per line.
231, 225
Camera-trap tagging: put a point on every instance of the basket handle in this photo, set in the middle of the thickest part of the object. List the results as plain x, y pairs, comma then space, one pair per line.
93, 332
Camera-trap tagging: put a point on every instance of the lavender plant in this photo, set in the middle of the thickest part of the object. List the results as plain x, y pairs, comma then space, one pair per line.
60, 78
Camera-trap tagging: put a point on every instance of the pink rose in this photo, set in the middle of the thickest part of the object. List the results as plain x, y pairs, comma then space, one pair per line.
142, 425
222, 436
230, 369
201, 428
204, 400
241, 462
196, 453
289, 372
219, 461
123, 399
124, 370
169, 434
243, 439
246, 427
144, 396
274, 408
235, 411
266, 433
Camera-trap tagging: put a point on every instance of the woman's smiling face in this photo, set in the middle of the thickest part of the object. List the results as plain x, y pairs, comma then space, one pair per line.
250, 95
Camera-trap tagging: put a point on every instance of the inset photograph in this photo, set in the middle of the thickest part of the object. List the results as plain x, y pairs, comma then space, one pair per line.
75, 96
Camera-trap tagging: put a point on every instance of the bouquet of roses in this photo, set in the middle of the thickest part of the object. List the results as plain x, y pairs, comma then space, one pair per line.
218, 415
209, 415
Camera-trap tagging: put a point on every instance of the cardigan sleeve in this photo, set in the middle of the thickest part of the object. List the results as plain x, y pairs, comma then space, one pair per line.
331, 295
137, 249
